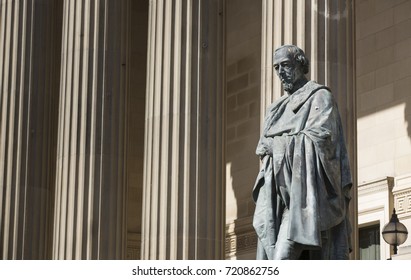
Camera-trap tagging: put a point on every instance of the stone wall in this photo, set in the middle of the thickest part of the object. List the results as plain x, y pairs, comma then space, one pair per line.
383, 72
243, 56
136, 120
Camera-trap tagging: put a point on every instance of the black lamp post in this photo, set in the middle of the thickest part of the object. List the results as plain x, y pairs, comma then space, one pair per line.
394, 233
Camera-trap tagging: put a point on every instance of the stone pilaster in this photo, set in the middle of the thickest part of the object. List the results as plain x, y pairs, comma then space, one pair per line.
90, 199
325, 31
30, 36
184, 196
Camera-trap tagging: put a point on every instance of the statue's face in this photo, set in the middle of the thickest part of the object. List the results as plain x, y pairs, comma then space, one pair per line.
288, 70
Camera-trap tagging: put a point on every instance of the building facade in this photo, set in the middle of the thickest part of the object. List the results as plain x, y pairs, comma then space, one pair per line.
128, 128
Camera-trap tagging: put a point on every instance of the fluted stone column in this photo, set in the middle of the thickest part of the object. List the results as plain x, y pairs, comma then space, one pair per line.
183, 198
90, 208
30, 39
325, 31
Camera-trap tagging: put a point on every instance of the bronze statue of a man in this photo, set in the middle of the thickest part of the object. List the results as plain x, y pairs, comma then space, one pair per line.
302, 190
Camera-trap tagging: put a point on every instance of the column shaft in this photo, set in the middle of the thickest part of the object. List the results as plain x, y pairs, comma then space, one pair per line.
29, 49
183, 198
90, 207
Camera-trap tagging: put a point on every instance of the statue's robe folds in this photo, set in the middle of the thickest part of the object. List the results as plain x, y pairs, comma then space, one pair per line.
308, 173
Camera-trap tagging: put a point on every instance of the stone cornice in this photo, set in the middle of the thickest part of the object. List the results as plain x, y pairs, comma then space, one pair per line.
379, 185
371, 210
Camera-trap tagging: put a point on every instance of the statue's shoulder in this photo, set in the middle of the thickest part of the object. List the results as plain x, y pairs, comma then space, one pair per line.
322, 92
316, 87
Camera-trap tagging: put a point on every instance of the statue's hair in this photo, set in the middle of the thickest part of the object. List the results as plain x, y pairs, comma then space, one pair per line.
299, 56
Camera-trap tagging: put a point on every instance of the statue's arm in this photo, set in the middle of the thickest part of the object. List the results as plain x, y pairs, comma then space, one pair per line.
322, 120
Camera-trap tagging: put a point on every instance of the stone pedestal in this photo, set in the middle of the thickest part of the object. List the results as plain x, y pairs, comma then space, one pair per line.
183, 198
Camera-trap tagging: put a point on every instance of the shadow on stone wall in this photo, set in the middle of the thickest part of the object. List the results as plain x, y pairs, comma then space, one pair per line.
407, 117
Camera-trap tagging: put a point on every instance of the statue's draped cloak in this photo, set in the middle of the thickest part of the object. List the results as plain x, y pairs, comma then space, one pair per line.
308, 172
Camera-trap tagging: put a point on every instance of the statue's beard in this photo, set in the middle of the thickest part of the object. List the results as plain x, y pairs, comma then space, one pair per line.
291, 84
288, 87
288, 82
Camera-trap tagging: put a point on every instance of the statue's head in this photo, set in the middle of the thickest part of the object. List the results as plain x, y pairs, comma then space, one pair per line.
291, 65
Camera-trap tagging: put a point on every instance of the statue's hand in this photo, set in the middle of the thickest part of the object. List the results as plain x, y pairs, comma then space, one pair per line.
265, 147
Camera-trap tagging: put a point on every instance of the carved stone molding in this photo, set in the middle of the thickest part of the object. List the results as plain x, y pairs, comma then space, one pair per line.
402, 202
402, 196
133, 246
371, 210
240, 237
238, 244
383, 184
